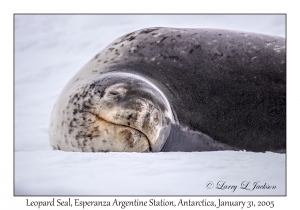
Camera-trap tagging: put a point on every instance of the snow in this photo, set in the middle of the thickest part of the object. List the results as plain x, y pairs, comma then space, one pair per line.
174, 173
50, 49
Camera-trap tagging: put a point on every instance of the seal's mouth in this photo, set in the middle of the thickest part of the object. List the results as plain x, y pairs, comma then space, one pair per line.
142, 136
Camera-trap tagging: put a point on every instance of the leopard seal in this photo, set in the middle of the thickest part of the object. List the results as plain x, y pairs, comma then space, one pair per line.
170, 89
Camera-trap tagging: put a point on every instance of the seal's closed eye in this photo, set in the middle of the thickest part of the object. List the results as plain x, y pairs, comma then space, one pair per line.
114, 92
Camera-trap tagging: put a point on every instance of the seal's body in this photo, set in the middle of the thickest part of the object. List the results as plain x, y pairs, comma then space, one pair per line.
167, 89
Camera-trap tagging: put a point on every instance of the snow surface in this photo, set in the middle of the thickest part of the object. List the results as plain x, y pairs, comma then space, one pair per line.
50, 49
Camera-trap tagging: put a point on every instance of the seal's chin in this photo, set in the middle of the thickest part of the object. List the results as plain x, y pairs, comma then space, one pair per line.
116, 137
130, 137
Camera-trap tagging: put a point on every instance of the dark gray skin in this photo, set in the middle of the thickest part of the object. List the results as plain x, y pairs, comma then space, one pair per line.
228, 86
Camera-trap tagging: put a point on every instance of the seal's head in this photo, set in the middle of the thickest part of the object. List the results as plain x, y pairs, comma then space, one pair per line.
116, 112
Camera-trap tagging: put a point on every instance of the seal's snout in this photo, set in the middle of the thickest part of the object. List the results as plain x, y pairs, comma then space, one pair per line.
137, 106
139, 114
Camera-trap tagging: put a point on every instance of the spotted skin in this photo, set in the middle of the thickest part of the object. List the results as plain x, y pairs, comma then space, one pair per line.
115, 112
